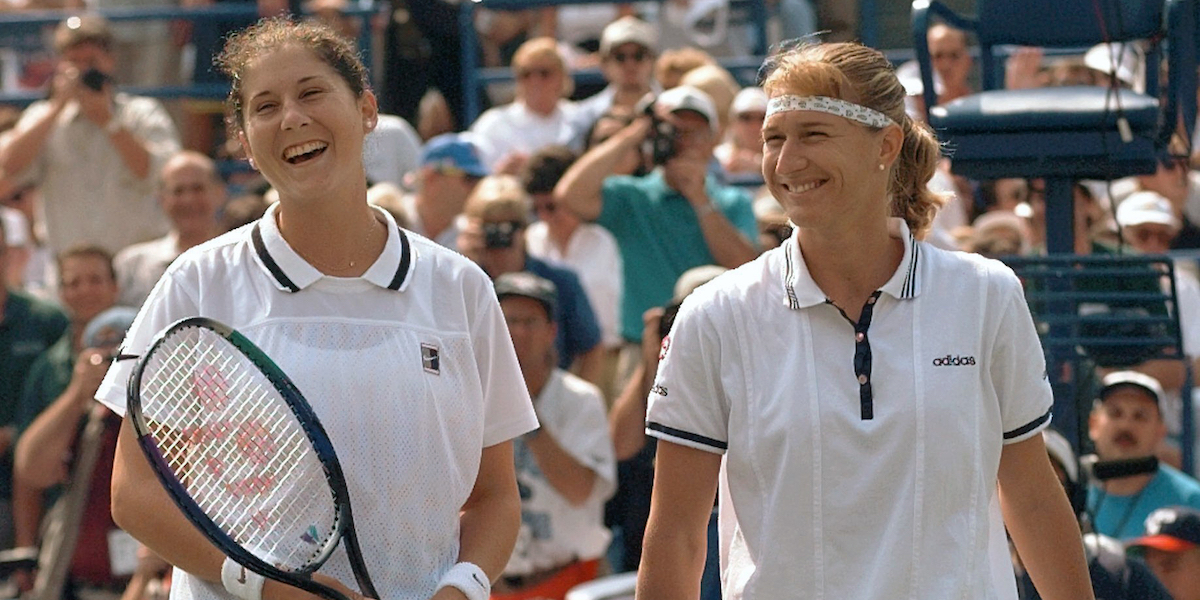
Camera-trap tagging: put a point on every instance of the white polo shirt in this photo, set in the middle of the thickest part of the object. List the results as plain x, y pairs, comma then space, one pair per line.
409, 368
831, 488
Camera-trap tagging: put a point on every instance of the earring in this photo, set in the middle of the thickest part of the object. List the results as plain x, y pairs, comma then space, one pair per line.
881, 167
252, 165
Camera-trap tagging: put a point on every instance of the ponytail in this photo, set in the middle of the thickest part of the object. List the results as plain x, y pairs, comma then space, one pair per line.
912, 200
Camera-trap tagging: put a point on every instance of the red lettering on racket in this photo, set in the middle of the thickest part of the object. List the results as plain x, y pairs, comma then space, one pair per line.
256, 442
211, 387
251, 486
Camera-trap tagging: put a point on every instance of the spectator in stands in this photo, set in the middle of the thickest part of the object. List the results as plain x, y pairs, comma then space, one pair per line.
632, 162
565, 469
672, 65
997, 234
538, 117
28, 327
391, 150
18, 235
1181, 186
837, 19
390, 198
57, 404
951, 61
741, 153
721, 88
450, 168
191, 193
492, 233
1114, 576
90, 149
560, 238
1171, 545
774, 228
675, 218
627, 51
1127, 422
1002, 195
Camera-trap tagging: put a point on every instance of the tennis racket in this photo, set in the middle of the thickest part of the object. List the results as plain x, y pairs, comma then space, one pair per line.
242, 454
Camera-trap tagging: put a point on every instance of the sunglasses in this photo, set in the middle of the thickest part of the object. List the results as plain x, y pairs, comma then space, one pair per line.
751, 116
546, 207
635, 56
543, 73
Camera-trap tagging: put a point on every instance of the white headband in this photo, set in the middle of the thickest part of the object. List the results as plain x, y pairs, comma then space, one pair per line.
834, 106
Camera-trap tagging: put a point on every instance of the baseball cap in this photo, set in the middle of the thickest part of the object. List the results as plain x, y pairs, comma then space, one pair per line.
694, 278
108, 328
1171, 529
1127, 58
527, 285
750, 99
686, 97
1142, 381
1144, 207
454, 150
628, 29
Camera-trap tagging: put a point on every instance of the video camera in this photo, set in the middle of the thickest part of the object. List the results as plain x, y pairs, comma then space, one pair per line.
659, 144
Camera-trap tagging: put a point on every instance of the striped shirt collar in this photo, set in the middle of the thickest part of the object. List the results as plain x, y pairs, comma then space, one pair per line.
800, 291
392, 269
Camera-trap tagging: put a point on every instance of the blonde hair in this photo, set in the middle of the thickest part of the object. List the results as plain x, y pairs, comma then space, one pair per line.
543, 48
672, 65
861, 75
715, 81
499, 198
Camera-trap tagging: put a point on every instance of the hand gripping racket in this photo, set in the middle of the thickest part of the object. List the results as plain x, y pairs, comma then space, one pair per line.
242, 454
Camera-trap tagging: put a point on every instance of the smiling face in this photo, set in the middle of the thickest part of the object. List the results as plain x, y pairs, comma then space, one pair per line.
824, 169
303, 127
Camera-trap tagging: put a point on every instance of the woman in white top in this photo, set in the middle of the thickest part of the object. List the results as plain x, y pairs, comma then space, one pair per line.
856, 395
399, 345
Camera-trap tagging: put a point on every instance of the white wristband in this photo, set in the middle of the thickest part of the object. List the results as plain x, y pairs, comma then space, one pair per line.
469, 579
240, 581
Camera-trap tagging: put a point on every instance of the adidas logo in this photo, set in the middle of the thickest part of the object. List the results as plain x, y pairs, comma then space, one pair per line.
954, 361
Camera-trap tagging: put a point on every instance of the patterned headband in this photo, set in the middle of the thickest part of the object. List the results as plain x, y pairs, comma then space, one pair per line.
834, 106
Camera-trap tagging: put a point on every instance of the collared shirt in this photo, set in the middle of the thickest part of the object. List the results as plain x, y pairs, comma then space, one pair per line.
410, 368
1124, 517
555, 532
592, 254
827, 492
141, 265
660, 237
88, 194
503, 130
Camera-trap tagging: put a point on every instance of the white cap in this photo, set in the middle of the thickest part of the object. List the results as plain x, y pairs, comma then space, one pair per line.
1130, 65
686, 97
628, 29
1142, 381
694, 278
750, 99
1144, 207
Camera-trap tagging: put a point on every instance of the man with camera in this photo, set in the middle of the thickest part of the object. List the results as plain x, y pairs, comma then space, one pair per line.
676, 217
91, 150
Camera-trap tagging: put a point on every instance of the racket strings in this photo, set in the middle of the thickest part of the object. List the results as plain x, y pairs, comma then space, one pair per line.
233, 442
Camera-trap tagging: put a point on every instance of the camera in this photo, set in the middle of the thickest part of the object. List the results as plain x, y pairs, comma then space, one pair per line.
659, 144
500, 235
94, 79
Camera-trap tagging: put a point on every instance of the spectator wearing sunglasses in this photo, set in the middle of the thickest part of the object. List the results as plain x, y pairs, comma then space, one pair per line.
1178, 183
628, 47
741, 152
538, 117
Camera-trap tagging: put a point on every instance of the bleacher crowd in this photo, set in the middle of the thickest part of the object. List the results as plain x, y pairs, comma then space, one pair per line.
595, 216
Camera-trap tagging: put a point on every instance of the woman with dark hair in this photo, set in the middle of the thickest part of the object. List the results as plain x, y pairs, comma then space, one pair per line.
398, 344
868, 405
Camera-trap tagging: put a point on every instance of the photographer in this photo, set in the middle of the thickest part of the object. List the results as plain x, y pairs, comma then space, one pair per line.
672, 219
92, 151
492, 234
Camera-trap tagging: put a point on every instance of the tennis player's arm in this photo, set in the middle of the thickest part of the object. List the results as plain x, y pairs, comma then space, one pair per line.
142, 508
1040, 522
491, 516
685, 483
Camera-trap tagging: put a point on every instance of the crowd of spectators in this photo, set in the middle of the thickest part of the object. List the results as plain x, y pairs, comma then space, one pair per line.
594, 217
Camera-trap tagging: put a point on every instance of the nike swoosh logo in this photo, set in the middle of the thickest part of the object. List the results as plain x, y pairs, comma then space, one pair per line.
477, 580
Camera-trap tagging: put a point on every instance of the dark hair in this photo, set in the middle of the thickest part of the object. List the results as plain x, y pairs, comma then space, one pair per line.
87, 251
77, 30
864, 76
271, 34
545, 168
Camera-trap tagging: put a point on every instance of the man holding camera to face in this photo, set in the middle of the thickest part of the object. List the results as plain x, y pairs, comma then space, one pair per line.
672, 219
91, 150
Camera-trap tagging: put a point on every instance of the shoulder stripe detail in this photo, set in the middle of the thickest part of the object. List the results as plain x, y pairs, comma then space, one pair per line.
405, 261
788, 285
261, 249
1030, 426
687, 435
910, 280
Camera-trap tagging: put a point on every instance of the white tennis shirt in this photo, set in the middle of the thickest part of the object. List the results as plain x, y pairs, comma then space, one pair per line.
827, 492
410, 369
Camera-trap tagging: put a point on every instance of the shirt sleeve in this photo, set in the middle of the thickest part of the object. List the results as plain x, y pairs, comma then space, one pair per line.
169, 302
582, 432
507, 409
688, 405
616, 193
1018, 368
147, 119
583, 331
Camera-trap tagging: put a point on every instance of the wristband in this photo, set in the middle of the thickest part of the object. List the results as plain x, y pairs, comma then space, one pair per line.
469, 579
240, 581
